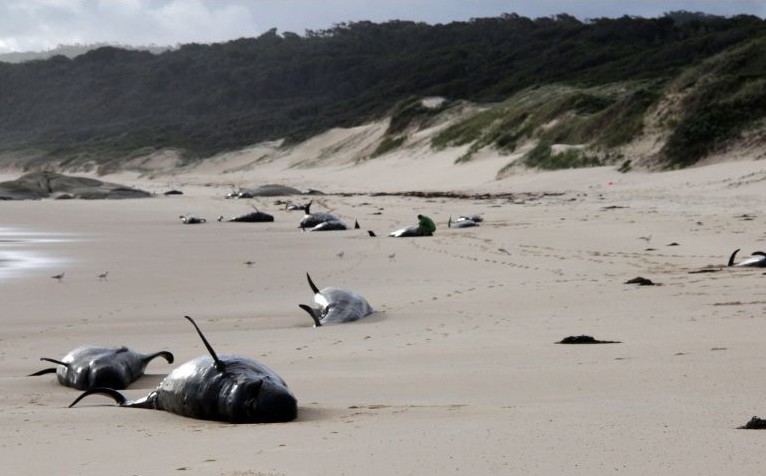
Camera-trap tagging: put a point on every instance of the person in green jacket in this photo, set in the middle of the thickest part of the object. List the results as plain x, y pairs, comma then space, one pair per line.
426, 225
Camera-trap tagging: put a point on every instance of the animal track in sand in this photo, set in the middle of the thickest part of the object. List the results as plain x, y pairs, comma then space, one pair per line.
451, 294
486, 260
375, 409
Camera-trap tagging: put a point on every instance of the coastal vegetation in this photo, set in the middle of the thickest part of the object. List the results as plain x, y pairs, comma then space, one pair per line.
697, 81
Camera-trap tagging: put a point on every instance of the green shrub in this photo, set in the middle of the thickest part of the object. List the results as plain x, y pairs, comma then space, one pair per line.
467, 130
542, 157
412, 112
625, 167
387, 145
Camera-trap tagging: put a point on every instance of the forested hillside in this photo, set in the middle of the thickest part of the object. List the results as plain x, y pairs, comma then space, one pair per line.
603, 76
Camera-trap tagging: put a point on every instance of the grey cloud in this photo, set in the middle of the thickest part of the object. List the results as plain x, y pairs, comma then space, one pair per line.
43, 24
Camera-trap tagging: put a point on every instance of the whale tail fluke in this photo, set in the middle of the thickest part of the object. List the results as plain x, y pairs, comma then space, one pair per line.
43, 372
109, 392
50, 370
164, 354
307, 207
312, 312
733, 255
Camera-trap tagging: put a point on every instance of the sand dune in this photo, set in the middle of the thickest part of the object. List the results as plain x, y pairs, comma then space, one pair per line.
458, 371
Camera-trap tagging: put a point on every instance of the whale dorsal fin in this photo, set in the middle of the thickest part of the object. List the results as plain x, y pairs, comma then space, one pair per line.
218, 363
731, 258
313, 286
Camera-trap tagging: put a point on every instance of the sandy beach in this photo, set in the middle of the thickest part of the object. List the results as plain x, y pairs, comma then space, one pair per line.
458, 371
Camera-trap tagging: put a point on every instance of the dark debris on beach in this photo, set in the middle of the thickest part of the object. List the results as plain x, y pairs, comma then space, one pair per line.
462, 196
641, 281
755, 423
583, 339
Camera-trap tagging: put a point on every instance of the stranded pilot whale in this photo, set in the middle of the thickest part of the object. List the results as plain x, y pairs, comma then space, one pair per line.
336, 305
252, 217
89, 366
315, 220
757, 260
223, 388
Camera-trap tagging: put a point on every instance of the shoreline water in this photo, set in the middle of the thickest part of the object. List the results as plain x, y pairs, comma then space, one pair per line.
23, 251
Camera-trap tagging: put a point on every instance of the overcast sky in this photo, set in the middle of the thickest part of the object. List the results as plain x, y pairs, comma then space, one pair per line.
38, 25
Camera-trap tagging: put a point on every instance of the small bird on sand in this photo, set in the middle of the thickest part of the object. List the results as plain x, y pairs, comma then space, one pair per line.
249, 263
102, 276
341, 254
58, 277
392, 257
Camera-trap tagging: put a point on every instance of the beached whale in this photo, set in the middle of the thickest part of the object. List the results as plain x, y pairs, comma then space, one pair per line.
311, 220
223, 388
294, 207
411, 230
461, 222
253, 217
336, 305
191, 219
90, 366
330, 225
756, 260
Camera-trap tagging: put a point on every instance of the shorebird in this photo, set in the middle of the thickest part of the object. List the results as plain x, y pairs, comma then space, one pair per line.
341, 254
249, 263
392, 257
102, 276
58, 277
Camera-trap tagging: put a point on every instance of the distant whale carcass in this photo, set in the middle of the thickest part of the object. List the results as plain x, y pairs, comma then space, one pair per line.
757, 260
330, 225
253, 217
227, 388
462, 222
336, 305
313, 221
191, 219
407, 231
90, 366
